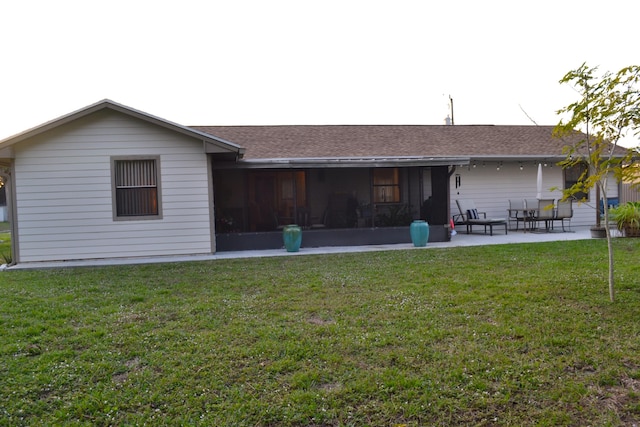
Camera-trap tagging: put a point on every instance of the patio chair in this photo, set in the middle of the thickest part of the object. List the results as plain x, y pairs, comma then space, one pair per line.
564, 212
469, 216
277, 222
319, 222
518, 213
531, 204
545, 212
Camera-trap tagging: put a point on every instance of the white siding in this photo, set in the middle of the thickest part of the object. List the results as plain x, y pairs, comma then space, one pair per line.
64, 200
491, 189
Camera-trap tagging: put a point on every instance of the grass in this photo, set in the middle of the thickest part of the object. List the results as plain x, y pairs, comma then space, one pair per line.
495, 335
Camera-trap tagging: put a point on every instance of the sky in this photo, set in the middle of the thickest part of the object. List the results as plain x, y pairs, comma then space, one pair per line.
299, 62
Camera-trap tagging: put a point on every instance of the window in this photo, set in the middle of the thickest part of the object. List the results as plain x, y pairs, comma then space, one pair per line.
575, 174
135, 183
386, 185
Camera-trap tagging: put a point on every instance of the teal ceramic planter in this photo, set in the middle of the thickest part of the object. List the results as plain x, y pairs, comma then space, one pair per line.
419, 230
292, 236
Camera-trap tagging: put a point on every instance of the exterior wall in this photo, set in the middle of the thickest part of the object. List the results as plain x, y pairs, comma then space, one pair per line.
64, 195
491, 189
629, 193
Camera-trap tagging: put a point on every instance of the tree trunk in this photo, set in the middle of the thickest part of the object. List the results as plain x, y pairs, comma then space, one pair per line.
605, 208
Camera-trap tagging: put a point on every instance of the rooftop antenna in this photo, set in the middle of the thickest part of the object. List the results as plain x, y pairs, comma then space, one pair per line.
451, 106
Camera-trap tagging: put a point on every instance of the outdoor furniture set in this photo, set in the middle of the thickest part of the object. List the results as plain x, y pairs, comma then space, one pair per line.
532, 212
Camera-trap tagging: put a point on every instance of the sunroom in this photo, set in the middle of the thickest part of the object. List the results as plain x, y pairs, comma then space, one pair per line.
337, 202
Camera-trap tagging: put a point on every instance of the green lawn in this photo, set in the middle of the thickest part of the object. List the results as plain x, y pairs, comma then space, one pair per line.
496, 335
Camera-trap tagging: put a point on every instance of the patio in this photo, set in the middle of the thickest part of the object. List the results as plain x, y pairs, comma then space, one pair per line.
460, 239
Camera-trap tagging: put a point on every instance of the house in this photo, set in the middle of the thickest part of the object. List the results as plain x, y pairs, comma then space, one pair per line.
109, 181
303, 173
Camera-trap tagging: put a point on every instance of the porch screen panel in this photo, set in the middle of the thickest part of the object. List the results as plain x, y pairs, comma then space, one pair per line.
386, 185
136, 187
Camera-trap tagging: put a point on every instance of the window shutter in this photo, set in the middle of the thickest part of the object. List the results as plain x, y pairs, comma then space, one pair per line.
136, 187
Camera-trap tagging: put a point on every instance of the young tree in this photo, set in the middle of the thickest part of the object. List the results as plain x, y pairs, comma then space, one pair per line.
607, 110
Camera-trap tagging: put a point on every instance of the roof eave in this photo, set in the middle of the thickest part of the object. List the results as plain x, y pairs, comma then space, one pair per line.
520, 158
344, 162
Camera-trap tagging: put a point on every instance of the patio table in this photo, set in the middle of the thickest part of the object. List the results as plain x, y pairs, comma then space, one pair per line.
528, 217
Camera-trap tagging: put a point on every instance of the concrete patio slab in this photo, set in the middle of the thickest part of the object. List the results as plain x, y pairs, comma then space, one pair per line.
460, 239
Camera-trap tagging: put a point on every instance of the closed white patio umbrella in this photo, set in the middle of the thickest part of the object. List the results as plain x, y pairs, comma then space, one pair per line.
539, 181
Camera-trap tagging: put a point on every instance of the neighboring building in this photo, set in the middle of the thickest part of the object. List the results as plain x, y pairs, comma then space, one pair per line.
109, 181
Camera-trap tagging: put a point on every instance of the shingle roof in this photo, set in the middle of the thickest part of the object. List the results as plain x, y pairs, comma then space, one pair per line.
273, 142
107, 104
